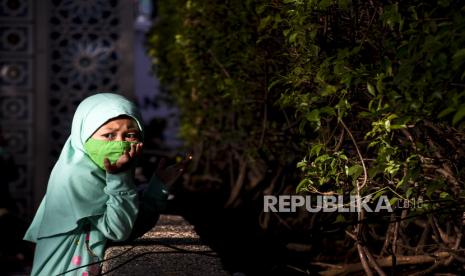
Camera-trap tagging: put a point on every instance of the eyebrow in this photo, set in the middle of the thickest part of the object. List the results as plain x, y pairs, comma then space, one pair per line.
113, 129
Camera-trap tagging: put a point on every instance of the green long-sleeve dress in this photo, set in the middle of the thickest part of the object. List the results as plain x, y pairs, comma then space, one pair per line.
86, 244
85, 206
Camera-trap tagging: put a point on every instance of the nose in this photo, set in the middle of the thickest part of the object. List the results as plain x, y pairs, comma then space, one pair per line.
120, 137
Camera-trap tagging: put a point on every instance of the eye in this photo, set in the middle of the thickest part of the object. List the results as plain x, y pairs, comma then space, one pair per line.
109, 136
132, 136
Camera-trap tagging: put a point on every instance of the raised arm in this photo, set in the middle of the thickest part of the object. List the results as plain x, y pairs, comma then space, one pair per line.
121, 208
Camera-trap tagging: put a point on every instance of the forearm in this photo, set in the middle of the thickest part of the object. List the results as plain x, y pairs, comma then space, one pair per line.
121, 208
152, 204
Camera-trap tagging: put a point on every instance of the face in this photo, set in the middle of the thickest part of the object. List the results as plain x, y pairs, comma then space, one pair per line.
118, 129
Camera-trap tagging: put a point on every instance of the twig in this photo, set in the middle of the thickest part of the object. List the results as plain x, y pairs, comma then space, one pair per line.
363, 260
270, 189
231, 169
198, 151
395, 234
298, 269
332, 266
368, 28
423, 238
428, 270
265, 119
456, 245
351, 235
365, 174
225, 72
373, 262
387, 262
438, 231
238, 184
265, 110
340, 140
389, 233
360, 214
299, 247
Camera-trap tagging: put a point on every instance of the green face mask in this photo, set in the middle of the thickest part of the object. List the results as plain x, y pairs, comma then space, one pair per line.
98, 150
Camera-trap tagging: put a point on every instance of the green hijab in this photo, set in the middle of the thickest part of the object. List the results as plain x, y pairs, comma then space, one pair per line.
76, 183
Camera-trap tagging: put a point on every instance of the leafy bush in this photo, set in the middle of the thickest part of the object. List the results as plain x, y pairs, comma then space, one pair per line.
362, 97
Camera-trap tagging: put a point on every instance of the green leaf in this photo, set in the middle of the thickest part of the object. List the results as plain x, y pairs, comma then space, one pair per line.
444, 195
340, 219
315, 151
392, 117
264, 22
459, 115
293, 37
378, 194
313, 116
329, 90
387, 125
328, 110
409, 192
459, 55
445, 112
322, 158
458, 58
303, 186
324, 4
301, 164
272, 84
355, 171
398, 126
393, 201
371, 89
343, 4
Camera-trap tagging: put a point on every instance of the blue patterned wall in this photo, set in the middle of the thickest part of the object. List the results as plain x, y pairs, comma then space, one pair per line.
88, 50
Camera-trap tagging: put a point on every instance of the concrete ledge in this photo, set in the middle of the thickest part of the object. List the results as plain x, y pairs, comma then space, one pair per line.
171, 248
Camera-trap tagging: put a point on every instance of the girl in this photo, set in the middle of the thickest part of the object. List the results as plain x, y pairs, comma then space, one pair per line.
91, 196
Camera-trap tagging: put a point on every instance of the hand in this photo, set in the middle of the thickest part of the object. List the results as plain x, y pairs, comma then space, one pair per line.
171, 173
125, 159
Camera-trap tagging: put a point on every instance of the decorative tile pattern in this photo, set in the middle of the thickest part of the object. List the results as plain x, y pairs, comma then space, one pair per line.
14, 9
16, 95
84, 60
15, 38
15, 73
15, 108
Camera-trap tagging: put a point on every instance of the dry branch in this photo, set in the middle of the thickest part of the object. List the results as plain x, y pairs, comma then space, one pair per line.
387, 262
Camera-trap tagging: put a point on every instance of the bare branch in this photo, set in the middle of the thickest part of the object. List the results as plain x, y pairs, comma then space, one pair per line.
387, 262
363, 260
373, 262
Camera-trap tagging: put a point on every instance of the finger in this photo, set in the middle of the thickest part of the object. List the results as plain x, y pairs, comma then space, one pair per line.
107, 164
132, 150
126, 156
123, 160
139, 148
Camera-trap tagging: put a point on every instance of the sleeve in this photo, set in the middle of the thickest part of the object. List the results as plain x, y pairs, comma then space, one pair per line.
153, 202
155, 197
121, 208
